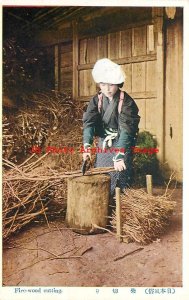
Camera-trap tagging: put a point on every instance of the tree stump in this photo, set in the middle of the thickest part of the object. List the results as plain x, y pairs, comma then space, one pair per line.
87, 203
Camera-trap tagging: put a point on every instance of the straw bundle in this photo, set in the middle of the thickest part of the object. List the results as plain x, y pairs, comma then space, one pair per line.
22, 203
144, 217
8, 140
23, 200
42, 120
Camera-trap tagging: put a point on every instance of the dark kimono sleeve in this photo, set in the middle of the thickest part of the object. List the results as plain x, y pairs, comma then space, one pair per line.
128, 123
90, 121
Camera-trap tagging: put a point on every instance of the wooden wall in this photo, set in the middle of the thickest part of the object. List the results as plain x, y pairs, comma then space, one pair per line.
135, 49
64, 67
173, 96
149, 52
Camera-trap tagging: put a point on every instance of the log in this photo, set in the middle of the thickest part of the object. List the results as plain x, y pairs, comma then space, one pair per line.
87, 203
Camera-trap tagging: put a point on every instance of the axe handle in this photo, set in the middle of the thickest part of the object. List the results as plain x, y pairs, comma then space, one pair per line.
92, 171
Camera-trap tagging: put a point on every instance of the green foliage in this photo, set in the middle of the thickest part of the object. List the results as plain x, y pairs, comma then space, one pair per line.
146, 163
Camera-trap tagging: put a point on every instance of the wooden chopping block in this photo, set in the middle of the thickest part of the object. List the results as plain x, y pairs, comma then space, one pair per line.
87, 203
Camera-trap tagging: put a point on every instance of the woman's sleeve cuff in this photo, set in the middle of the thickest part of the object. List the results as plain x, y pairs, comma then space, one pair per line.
119, 156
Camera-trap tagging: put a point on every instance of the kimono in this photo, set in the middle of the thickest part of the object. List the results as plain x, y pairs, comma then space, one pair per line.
117, 134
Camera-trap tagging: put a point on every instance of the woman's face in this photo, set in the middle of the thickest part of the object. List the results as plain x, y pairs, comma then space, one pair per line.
108, 89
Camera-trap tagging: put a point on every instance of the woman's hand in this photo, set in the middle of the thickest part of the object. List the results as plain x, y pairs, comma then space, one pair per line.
85, 154
87, 151
119, 165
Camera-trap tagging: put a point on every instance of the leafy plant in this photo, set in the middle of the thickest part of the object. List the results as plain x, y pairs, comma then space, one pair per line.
145, 160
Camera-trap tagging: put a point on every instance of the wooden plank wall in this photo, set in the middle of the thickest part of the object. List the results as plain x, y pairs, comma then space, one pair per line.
174, 96
66, 67
135, 49
139, 48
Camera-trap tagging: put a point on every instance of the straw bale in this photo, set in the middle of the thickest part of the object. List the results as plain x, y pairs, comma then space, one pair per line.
144, 217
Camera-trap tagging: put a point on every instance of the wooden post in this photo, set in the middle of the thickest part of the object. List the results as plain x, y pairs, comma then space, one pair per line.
149, 184
157, 13
118, 215
75, 87
87, 203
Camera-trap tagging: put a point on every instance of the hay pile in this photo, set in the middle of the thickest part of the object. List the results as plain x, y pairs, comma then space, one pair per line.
23, 201
144, 217
26, 196
43, 120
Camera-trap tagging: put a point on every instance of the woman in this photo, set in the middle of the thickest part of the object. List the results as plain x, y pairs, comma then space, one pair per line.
112, 115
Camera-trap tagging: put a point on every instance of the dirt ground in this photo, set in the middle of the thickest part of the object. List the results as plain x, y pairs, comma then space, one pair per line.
31, 258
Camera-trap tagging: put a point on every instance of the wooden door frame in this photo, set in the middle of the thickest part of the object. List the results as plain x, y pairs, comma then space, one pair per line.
158, 18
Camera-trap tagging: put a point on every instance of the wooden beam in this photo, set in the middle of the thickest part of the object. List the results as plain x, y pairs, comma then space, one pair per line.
122, 61
53, 37
19, 18
85, 29
67, 68
104, 25
136, 59
160, 71
64, 16
40, 15
142, 95
75, 87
